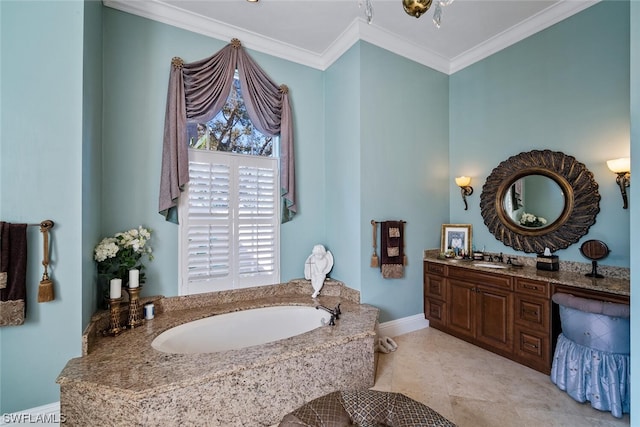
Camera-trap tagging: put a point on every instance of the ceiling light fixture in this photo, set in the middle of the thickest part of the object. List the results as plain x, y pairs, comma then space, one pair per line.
413, 7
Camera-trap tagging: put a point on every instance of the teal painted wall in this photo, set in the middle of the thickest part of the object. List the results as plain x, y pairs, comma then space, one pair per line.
403, 160
565, 89
381, 166
342, 164
41, 143
91, 151
634, 194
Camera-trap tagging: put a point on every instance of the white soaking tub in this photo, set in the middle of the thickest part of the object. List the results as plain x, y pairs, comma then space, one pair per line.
240, 329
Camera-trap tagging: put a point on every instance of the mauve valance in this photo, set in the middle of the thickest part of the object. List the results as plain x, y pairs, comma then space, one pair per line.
197, 92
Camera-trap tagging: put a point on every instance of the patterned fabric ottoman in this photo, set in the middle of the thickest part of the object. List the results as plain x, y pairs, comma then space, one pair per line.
365, 408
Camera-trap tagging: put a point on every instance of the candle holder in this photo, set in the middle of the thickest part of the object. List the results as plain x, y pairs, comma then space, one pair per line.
114, 317
135, 309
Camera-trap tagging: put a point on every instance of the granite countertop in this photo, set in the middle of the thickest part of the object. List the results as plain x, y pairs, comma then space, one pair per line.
128, 362
619, 285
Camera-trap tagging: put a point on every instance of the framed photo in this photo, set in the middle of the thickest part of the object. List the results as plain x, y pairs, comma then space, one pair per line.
456, 237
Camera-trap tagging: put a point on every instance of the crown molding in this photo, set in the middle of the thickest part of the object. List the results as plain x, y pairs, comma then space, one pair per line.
403, 47
542, 20
360, 30
357, 30
176, 17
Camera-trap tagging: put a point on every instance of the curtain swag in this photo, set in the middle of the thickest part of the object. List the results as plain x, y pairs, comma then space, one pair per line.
198, 91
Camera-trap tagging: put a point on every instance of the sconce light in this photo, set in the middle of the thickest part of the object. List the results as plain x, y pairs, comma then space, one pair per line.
622, 168
465, 189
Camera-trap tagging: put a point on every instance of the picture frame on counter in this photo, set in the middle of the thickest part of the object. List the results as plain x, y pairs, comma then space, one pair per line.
456, 238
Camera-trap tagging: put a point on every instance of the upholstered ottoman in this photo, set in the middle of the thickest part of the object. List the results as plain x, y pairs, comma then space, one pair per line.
365, 408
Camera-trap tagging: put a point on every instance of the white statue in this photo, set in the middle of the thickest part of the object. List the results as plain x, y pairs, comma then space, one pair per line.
318, 264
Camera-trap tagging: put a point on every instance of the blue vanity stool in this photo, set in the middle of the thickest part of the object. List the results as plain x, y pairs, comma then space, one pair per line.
592, 357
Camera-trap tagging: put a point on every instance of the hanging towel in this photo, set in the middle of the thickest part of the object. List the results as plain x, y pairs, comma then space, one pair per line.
392, 249
13, 273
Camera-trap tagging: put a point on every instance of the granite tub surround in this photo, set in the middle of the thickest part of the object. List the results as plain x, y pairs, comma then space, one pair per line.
616, 280
123, 381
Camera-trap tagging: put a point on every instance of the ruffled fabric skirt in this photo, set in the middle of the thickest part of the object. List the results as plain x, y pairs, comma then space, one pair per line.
587, 374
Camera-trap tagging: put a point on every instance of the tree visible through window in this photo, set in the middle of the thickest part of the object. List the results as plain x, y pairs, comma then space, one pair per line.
231, 130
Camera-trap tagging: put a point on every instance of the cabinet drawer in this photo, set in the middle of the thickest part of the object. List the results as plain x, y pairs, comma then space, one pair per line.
532, 349
481, 278
434, 268
532, 287
435, 311
532, 312
434, 287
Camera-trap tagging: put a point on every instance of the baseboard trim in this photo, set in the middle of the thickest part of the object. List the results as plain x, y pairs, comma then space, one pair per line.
45, 415
405, 325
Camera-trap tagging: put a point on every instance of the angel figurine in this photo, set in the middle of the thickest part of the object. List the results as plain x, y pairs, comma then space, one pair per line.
317, 266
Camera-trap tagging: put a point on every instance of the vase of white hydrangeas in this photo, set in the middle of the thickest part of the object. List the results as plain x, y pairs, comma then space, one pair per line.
116, 255
530, 220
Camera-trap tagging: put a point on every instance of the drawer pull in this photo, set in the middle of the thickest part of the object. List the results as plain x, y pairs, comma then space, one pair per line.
531, 345
533, 312
532, 287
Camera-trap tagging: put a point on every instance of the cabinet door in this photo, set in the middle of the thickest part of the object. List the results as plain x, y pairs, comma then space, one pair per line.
494, 318
434, 287
532, 313
461, 317
436, 312
532, 349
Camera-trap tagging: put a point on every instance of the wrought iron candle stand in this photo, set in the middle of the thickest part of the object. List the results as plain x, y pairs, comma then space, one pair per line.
114, 317
135, 309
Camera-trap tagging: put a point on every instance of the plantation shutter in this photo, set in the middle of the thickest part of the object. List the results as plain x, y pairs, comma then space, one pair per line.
230, 226
257, 204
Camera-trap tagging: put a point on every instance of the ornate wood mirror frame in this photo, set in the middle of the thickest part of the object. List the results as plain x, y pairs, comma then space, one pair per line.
581, 201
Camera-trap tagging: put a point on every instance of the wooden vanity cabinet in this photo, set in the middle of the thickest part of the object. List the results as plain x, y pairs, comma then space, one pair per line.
471, 305
509, 315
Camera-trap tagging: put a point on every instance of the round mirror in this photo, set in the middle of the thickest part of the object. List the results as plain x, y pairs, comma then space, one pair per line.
539, 199
534, 201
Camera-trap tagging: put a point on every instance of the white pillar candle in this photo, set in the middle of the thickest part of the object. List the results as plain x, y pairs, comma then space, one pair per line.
115, 289
134, 277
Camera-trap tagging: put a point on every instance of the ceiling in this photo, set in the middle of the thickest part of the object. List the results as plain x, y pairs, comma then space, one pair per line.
317, 32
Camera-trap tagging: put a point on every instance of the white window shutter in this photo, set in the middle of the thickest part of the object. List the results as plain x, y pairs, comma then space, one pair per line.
229, 222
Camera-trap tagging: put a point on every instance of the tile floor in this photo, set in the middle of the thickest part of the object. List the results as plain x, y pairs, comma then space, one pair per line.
476, 388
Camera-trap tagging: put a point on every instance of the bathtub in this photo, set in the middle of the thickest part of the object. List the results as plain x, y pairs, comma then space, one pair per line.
126, 381
240, 329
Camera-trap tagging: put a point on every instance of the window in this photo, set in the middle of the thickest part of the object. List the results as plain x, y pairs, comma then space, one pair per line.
230, 228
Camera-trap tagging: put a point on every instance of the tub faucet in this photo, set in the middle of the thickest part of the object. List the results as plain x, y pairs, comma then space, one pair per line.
335, 313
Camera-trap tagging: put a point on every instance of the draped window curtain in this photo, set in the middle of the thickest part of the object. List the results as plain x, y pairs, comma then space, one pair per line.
197, 92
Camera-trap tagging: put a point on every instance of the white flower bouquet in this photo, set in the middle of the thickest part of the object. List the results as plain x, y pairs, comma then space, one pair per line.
530, 220
124, 251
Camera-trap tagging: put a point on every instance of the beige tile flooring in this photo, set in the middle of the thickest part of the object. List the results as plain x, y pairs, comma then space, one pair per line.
476, 388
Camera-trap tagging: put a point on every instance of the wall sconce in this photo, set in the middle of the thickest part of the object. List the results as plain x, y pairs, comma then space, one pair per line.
465, 189
622, 168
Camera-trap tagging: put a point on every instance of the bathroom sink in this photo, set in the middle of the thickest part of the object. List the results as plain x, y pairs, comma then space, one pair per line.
489, 265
